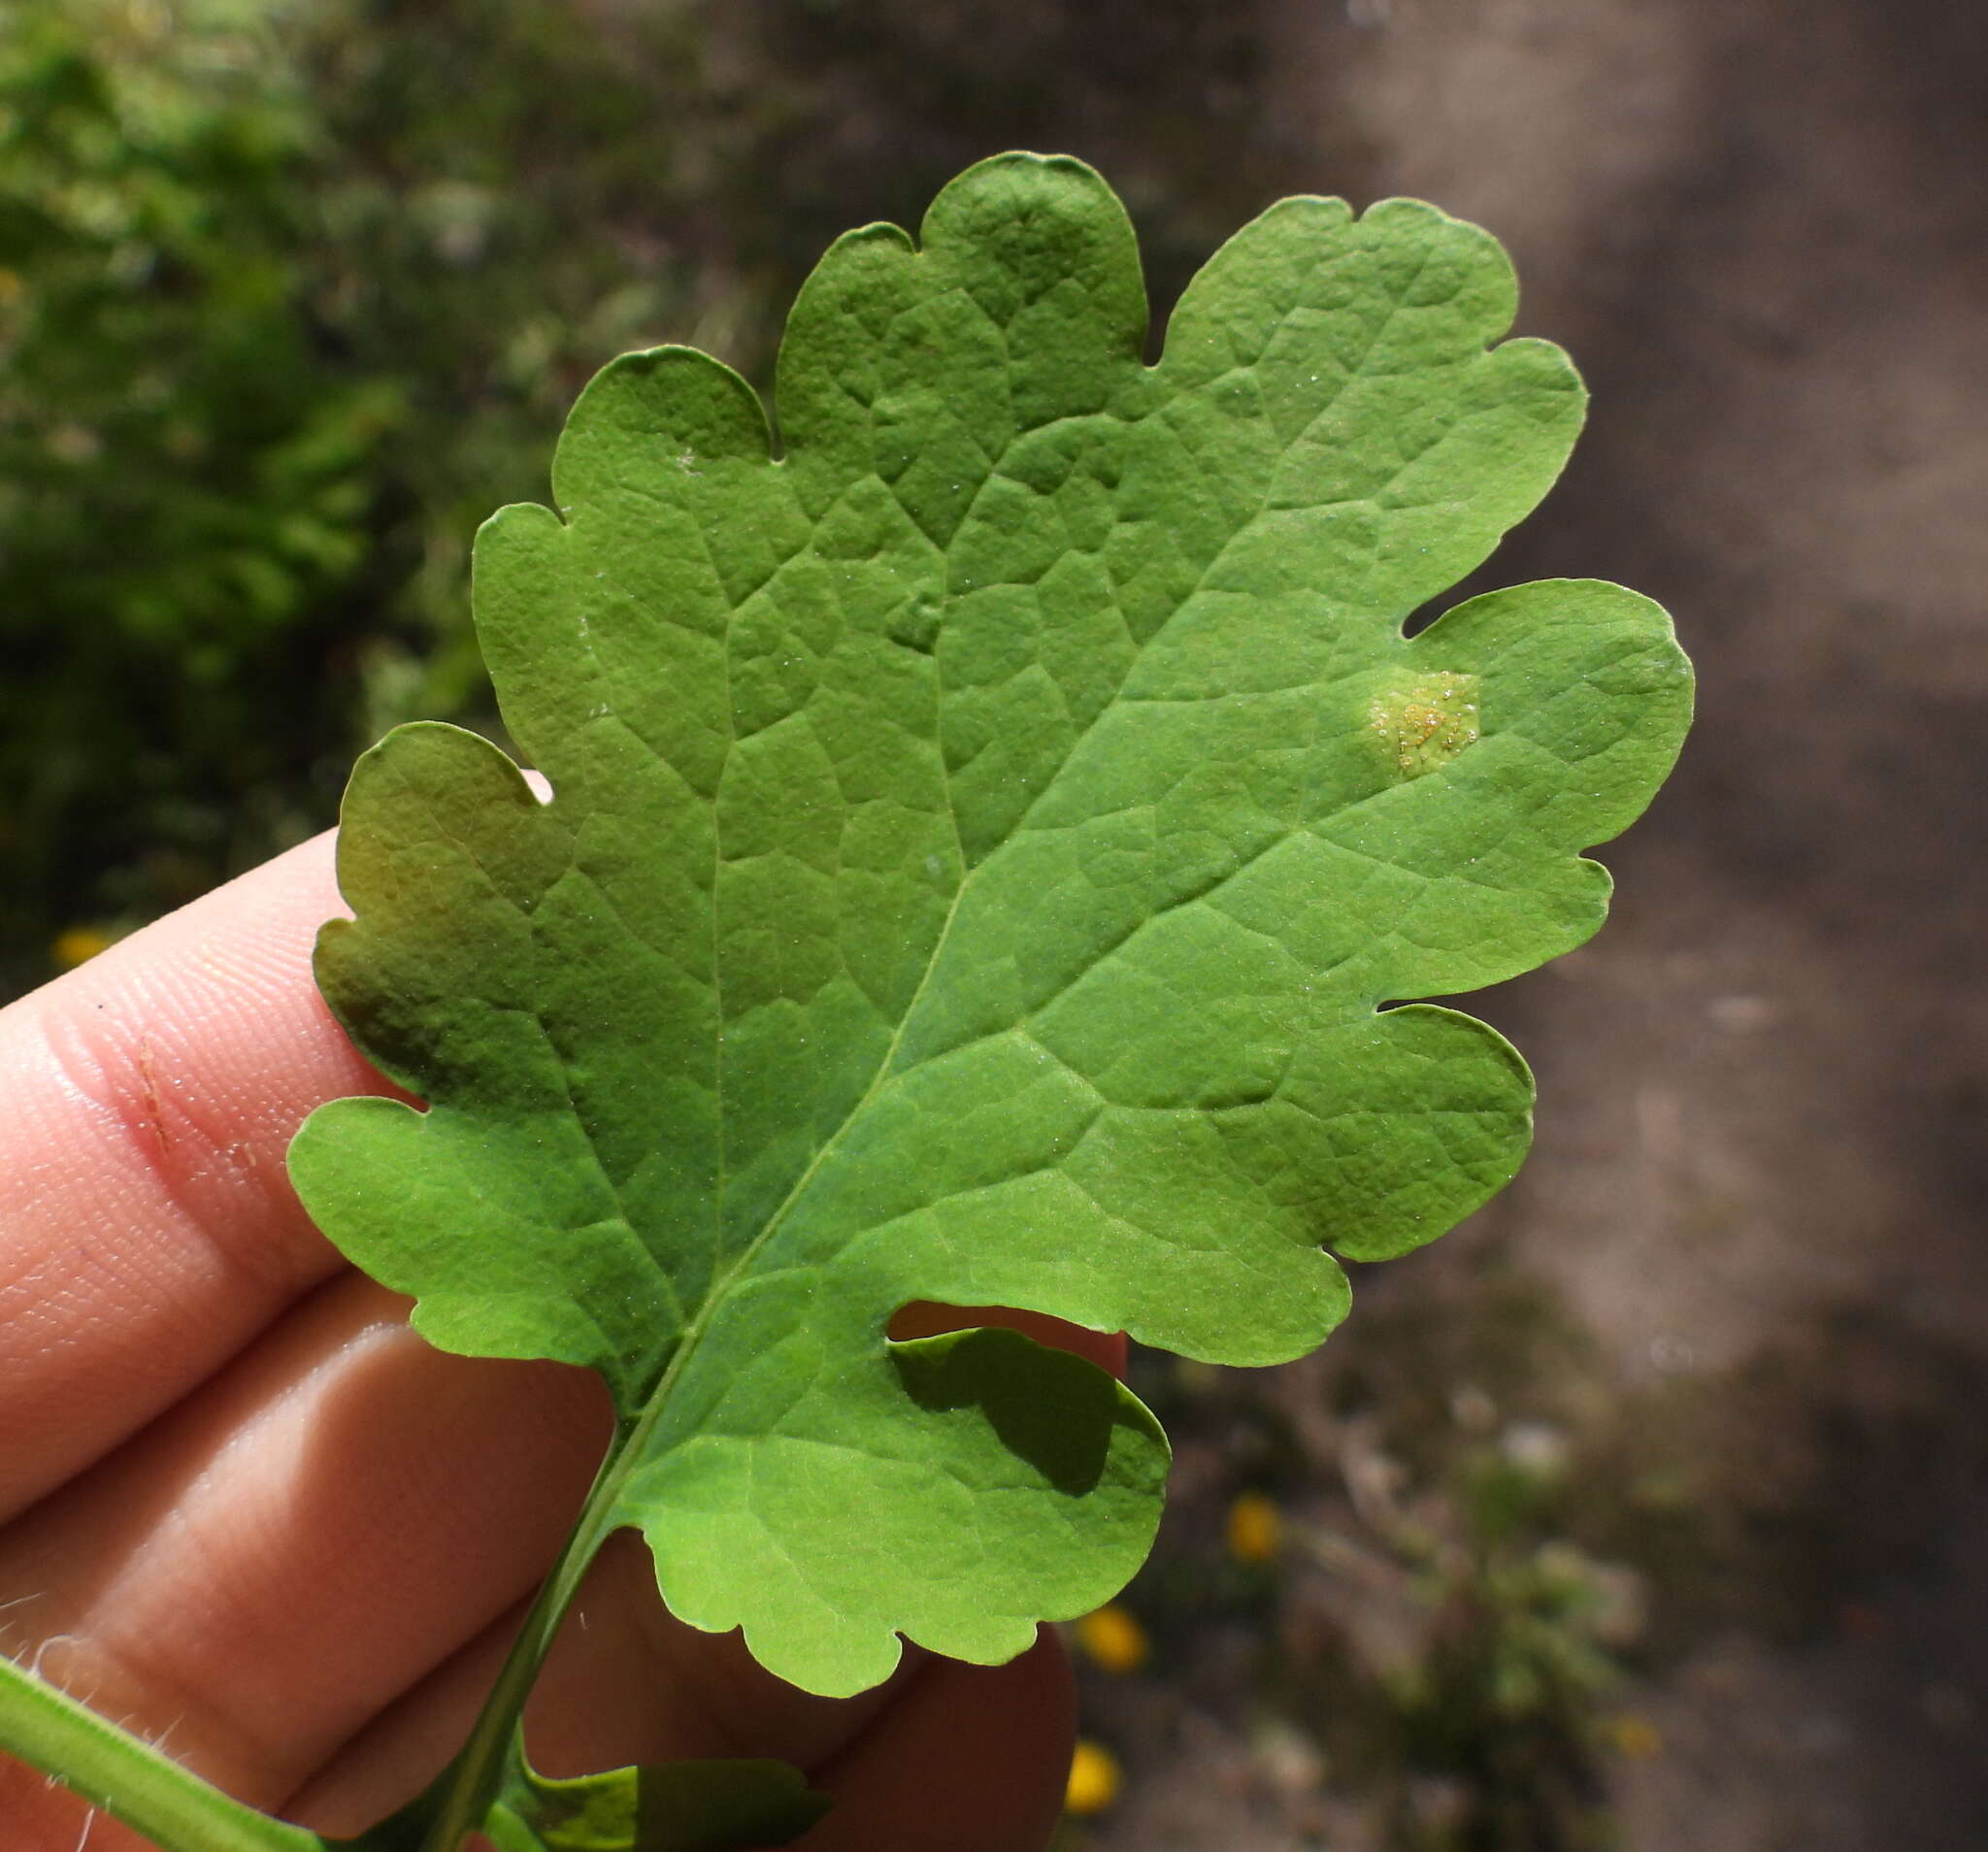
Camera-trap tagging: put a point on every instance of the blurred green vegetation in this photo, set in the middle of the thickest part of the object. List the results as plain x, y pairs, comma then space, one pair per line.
283, 316
293, 293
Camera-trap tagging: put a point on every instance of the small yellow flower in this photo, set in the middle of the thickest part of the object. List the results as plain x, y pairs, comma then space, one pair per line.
1113, 1639
1095, 1779
80, 943
1636, 1737
1255, 1530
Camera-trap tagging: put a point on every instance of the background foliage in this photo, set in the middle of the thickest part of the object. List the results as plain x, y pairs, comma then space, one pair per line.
282, 318
294, 293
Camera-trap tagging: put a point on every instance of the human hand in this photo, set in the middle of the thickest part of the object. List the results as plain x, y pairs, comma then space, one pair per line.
247, 1513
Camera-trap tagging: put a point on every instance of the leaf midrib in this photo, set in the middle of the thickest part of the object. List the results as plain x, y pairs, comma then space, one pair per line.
885, 1073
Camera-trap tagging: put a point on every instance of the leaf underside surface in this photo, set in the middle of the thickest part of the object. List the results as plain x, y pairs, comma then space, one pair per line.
679, 1807
986, 827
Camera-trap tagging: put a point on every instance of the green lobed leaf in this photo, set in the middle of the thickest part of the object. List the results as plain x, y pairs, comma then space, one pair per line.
726, 1805
983, 835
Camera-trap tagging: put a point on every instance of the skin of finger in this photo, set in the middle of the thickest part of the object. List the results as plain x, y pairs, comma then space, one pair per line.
927, 1319
963, 1758
627, 1682
40, 1817
147, 1229
170, 1083
971, 1758
304, 1538
167, 1581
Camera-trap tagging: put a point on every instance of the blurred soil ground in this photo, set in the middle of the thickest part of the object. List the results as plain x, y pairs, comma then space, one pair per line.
1743, 1346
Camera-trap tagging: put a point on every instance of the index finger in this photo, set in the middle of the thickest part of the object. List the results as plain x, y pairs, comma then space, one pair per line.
147, 1227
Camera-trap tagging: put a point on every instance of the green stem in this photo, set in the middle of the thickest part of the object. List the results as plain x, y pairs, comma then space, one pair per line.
477, 1775
127, 1778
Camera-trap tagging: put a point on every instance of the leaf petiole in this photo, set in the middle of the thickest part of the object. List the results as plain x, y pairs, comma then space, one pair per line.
479, 1773
128, 1779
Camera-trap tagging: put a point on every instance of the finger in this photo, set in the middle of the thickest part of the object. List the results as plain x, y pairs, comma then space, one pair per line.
963, 1758
147, 1229
44, 1818
927, 1319
304, 1538
626, 1682
969, 1759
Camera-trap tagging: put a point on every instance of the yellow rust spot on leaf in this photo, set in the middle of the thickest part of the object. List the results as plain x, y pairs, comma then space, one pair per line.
1424, 723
